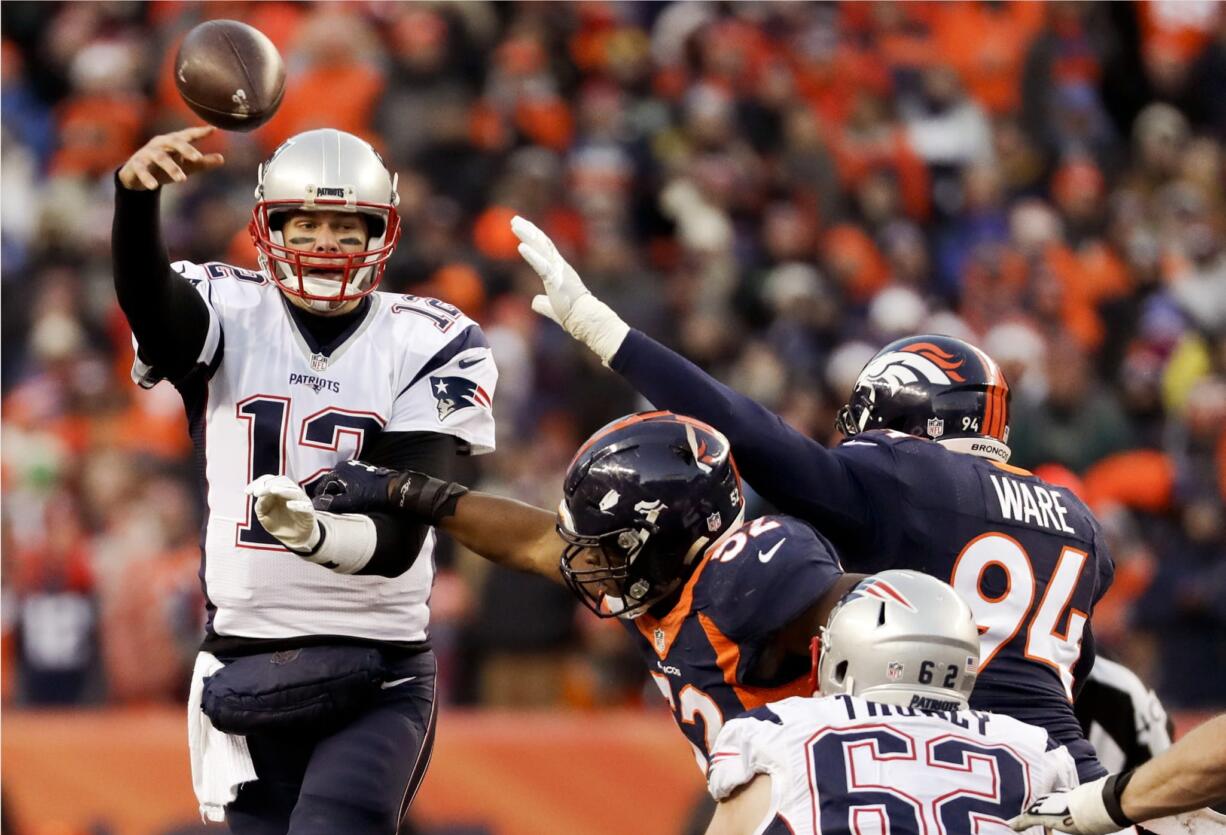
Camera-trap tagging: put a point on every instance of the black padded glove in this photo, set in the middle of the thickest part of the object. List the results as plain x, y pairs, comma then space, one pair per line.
357, 487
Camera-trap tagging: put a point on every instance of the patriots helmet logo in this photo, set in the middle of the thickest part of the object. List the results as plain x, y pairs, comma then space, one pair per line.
451, 394
880, 589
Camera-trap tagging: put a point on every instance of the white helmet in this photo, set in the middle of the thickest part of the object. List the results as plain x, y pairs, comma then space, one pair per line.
903, 638
325, 170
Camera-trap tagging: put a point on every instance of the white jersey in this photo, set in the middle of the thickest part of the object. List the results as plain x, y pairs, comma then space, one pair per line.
275, 403
841, 765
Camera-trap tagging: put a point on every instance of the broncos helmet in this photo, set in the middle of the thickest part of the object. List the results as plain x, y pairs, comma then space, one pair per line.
651, 491
934, 387
329, 170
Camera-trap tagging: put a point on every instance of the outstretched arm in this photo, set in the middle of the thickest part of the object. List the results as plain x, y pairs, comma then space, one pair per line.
168, 317
507, 532
504, 531
789, 469
1188, 776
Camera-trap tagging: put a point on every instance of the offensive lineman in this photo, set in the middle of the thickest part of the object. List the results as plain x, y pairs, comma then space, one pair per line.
889, 744
650, 530
921, 482
284, 372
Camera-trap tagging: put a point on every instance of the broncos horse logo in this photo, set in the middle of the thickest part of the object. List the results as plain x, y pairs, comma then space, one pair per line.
913, 363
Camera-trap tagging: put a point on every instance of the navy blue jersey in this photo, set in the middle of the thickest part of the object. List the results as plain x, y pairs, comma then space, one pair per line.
1028, 556
704, 653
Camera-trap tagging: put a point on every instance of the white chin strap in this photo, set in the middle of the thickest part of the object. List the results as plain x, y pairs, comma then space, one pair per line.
284, 275
317, 287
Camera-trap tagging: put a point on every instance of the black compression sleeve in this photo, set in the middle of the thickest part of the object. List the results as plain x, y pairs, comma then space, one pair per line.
167, 316
428, 452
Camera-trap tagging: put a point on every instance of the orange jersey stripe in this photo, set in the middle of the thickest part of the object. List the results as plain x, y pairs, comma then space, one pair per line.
728, 657
671, 623
1009, 468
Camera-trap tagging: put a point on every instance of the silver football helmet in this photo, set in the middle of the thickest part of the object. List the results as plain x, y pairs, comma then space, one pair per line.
902, 638
325, 170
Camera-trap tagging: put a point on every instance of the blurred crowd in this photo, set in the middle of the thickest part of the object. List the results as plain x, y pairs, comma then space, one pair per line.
775, 189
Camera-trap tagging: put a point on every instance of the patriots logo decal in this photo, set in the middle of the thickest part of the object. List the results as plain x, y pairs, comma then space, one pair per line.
882, 590
455, 393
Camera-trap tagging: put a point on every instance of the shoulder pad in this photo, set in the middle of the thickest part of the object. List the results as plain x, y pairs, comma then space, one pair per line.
765, 574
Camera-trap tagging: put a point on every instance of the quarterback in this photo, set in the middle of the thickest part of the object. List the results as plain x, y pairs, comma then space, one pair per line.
312, 706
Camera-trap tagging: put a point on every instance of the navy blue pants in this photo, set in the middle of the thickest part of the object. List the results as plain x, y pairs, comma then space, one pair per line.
359, 780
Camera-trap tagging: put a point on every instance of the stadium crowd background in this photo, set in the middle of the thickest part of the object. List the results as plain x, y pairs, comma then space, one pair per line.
774, 189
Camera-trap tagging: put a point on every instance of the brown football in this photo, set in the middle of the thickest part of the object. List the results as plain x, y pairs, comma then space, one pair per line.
230, 74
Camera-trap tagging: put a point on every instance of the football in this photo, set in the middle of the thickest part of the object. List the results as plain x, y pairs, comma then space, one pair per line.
230, 74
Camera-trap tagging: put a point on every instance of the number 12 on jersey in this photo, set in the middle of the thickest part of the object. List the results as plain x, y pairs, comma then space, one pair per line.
1002, 616
267, 418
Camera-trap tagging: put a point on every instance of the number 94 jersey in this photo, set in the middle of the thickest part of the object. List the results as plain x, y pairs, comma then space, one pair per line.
840, 765
1028, 557
712, 654
265, 399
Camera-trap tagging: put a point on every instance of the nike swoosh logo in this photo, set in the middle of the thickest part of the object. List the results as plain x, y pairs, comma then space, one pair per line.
469, 363
765, 556
388, 685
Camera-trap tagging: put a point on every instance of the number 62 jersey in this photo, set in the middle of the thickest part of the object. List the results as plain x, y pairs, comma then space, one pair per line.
840, 765
265, 398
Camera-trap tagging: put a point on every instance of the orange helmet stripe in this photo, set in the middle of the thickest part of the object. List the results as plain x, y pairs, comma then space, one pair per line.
640, 417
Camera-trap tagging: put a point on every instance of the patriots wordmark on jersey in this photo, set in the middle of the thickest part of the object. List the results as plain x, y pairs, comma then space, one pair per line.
706, 653
841, 765
266, 399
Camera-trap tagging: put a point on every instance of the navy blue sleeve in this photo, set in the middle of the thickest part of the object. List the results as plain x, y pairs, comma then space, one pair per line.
167, 316
790, 470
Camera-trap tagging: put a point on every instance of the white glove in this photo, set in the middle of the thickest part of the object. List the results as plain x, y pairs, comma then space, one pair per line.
567, 301
285, 511
1082, 811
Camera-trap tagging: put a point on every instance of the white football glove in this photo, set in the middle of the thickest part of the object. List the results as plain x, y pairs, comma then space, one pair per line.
285, 511
567, 301
1082, 811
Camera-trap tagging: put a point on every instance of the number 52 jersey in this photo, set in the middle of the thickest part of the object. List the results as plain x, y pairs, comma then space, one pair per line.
840, 765
265, 398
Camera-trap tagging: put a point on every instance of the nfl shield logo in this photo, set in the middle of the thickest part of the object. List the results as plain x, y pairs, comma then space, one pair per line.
714, 521
658, 637
319, 362
936, 427
894, 670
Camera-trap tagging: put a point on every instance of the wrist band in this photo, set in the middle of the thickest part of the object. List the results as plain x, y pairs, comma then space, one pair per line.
1113, 790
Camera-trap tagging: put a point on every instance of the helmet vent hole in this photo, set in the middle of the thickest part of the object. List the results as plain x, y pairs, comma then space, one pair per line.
881, 615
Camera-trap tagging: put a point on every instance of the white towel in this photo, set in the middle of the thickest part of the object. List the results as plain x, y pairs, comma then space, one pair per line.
220, 762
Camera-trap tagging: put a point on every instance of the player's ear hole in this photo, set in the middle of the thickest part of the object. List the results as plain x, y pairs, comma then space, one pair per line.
840, 672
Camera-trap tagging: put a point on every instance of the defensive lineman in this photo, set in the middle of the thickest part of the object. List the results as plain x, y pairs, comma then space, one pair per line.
922, 483
650, 530
318, 657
